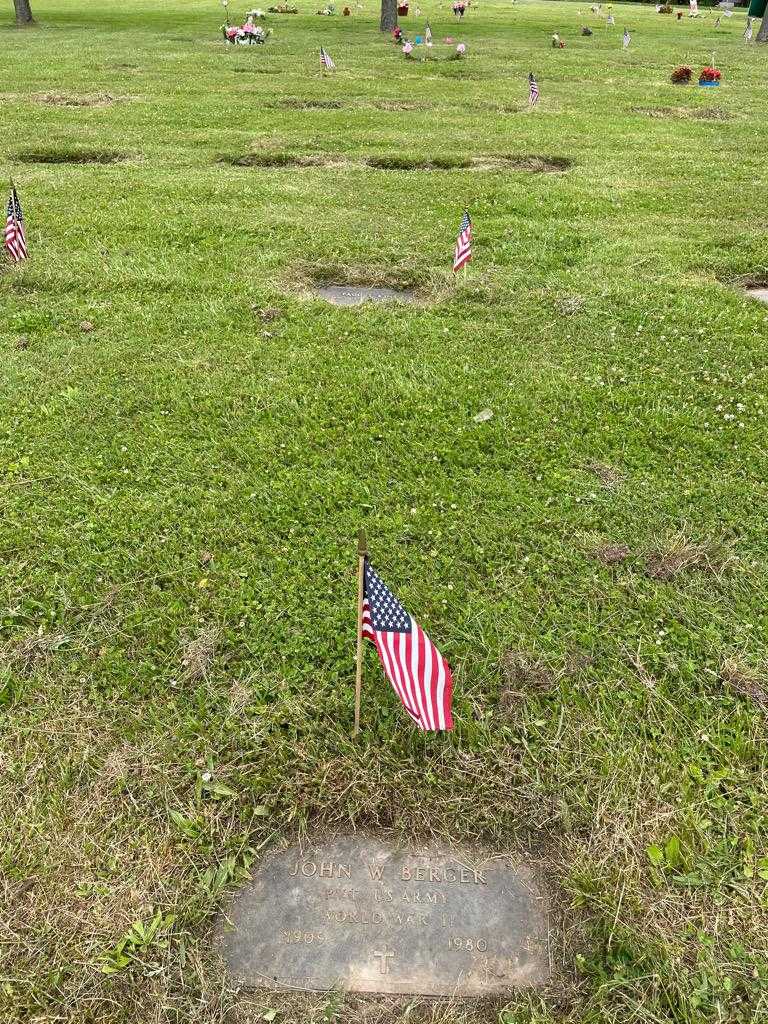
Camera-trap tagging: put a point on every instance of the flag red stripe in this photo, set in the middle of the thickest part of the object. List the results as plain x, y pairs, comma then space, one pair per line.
422, 673
396, 643
416, 670
387, 660
406, 667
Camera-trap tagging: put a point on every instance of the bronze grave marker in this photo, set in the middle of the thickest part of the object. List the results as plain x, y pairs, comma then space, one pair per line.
355, 294
365, 916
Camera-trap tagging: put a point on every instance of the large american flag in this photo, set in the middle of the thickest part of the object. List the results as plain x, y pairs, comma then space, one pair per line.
325, 60
462, 254
416, 669
533, 86
15, 234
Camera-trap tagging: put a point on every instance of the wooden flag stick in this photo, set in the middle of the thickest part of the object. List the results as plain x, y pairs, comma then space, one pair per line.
362, 551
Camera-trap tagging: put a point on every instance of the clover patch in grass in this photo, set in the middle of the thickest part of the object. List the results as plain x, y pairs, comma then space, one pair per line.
71, 156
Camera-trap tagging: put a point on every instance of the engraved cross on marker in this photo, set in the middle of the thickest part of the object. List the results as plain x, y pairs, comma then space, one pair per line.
384, 962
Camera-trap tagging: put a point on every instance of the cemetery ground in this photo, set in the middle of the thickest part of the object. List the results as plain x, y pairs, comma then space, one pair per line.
190, 442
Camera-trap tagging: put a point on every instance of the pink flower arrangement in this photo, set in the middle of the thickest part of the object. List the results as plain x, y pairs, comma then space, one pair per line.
461, 49
407, 48
247, 34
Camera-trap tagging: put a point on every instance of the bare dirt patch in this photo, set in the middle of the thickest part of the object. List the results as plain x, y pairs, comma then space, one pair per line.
285, 160
267, 314
198, 653
682, 556
568, 305
745, 682
609, 476
684, 113
294, 103
71, 156
711, 114
612, 554
660, 112
407, 163
536, 164
397, 105
33, 651
523, 675
533, 163
60, 99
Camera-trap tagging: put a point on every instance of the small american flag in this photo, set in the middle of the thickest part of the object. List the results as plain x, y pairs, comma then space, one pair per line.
325, 60
462, 254
15, 234
420, 675
533, 93
748, 30
627, 38
428, 35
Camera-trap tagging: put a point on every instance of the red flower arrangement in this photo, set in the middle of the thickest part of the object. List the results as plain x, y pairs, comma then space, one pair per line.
682, 74
709, 75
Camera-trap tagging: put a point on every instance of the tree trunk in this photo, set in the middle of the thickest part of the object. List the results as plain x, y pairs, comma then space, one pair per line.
388, 15
762, 35
23, 13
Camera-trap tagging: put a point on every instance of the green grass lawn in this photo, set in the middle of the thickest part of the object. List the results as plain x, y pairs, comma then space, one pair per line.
182, 485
